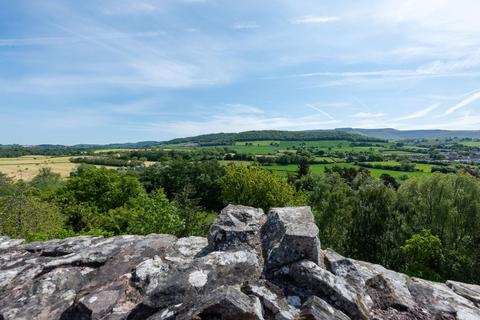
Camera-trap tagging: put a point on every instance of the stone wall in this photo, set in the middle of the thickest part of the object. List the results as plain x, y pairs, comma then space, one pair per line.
252, 266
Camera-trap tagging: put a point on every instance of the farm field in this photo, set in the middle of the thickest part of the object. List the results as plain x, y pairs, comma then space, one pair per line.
28, 167
262, 147
471, 143
420, 166
320, 168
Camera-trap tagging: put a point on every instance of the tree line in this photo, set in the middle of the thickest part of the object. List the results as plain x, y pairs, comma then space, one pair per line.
427, 226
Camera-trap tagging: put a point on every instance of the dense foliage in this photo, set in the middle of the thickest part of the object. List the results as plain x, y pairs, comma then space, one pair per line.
427, 226
314, 135
13, 151
256, 187
369, 219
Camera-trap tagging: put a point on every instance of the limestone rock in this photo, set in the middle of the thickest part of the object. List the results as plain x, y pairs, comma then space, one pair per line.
469, 291
317, 309
65, 278
441, 301
315, 281
290, 235
166, 283
251, 267
237, 227
276, 305
226, 303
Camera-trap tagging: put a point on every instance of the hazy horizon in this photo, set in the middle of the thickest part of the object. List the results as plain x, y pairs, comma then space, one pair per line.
107, 72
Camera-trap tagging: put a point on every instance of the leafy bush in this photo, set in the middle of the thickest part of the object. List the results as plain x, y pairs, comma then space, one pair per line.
424, 256
256, 187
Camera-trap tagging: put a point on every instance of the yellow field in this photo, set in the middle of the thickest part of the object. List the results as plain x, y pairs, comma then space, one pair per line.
27, 167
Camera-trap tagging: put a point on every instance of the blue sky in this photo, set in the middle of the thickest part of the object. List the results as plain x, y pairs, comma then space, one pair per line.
99, 71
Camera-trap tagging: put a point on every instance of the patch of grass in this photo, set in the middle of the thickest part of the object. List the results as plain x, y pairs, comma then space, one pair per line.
320, 168
471, 143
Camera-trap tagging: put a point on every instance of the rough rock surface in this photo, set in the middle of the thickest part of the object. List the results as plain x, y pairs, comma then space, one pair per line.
289, 235
252, 266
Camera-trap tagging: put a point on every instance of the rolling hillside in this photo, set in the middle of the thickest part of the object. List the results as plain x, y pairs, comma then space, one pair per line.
394, 134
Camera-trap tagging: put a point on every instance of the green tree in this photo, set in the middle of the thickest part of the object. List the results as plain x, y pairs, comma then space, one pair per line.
303, 167
95, 191
449, 206
24, 216
374, 231
46, 181
6, 184
144, 215
201, 177
155, 214
424, 256
257, 187
332, 201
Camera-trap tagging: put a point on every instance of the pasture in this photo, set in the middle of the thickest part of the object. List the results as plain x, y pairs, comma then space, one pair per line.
320, 168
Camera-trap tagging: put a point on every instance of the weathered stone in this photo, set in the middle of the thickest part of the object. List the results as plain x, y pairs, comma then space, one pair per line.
166, 283
160, 277
45, 279
314, 280
226, 303
6, 243
396, 282
237, 227
383, 295
469, 291
289, 235
441, 301
273, 300
394, 314
317, 309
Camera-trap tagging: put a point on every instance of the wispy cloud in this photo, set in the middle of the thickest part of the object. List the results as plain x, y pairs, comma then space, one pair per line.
418, 114
465, 102
317, 108
310, 19
236, 123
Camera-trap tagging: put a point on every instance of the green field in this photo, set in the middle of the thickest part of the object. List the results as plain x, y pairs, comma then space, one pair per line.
471, 143
272, 147
320, 168
420, 166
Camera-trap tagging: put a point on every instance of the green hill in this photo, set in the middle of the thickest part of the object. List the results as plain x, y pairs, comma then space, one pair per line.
393, 134
279, 135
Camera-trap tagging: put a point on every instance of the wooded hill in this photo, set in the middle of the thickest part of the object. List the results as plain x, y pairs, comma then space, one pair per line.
312, 135
394, 134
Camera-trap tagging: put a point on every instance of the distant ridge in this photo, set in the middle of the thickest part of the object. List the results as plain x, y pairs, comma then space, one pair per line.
310, 135
394, 134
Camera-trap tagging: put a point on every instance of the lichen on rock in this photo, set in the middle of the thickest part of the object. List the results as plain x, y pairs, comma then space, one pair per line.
252, 266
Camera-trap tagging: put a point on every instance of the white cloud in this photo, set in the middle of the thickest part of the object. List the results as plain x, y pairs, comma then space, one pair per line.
231, 122
418, 114
454, 65
310, 19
